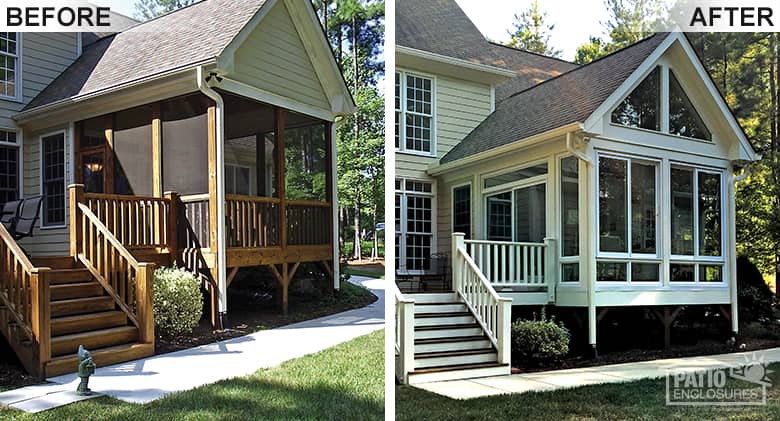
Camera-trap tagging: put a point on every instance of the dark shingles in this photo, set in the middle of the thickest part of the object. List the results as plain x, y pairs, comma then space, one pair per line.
188, 36
569, 98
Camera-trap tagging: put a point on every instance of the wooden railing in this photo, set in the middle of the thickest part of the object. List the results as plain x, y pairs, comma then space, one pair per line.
194, 221
137, 222
511, 263
127, 281
492, 312
24, 296
252, 221
404, 335
308, 222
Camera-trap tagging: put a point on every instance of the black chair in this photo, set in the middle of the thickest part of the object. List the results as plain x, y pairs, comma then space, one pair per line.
9, 214
27, 217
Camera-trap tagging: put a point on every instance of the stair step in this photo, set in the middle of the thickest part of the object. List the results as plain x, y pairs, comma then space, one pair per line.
102, 358
104, 338
81, 306
443, 319
77, 290
421, 308
55, 262
69, 276
451, 331
452, 344
438, 297
455, 358
464, 371
87, 322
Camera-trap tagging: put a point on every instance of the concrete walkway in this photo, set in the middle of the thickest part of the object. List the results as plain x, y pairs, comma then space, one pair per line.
151, 378
617, 373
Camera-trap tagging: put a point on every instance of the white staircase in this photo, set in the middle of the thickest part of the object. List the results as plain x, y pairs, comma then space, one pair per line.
449, 343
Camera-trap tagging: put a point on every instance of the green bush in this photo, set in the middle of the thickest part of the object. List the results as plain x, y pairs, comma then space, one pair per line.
178, 303
754, 297
539, 341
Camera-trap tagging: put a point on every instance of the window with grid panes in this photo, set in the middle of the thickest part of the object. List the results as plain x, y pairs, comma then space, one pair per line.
413, 113
9, 166
9, 64
414, 224
53, 179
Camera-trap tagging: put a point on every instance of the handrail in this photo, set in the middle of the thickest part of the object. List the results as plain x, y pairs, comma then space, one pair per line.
194, 198
511, 263
504, 243
404, 335
110, 237
244, 198
313, 203
14, 297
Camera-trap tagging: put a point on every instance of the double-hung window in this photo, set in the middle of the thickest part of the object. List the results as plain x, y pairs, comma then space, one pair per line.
461, 209
414, 224
53, 179
9, 166
9, 65
627, 216
414, 125
696, 222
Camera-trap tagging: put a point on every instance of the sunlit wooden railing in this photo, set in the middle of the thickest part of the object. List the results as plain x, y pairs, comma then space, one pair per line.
252, 221
404, 335
137, 222
308, 222
24, 295
511, 263
492, 312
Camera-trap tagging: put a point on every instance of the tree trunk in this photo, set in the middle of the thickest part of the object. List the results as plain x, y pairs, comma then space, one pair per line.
357, 250
775, 141
375, 248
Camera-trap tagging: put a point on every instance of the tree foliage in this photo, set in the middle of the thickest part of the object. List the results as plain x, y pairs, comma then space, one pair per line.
149, 9
531, 33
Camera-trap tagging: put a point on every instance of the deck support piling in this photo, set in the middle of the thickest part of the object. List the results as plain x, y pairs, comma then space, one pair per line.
667, 317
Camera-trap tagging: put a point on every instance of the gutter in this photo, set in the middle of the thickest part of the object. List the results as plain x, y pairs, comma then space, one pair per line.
573, 150
220, 137
454, 61
733, 236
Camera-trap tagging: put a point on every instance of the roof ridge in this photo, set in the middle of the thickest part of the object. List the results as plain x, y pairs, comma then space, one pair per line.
498, 44
583, 66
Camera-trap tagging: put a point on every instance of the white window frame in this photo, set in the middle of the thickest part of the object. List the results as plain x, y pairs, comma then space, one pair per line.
17, 70
234, 167
567, 260
697, 260
471, 204
65, 148
19, 158
403, 232
629, 256
401, 148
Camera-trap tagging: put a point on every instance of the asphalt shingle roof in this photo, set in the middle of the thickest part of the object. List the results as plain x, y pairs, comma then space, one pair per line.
569, 98
185, 37
441, 27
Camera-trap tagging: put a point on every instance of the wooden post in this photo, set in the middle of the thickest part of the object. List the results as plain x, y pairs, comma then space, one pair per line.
108, 180
213, 205
156, 150
78, 174
144, 296
285, 288
40, 296
173, 221
76, 194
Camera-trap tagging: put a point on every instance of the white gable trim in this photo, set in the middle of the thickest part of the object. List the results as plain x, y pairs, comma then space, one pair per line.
307, 26
594, 121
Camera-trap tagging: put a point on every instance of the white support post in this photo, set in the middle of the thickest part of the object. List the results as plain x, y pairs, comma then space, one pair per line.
335, 211
458, 241
505, 335
731, 252
551, 268
406, 340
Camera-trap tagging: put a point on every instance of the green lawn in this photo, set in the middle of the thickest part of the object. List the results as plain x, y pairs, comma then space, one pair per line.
642, 400
343, 382
362, 272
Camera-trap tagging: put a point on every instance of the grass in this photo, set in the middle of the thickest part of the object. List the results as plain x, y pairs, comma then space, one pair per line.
641, 400
365, 247
364, 272
343, 382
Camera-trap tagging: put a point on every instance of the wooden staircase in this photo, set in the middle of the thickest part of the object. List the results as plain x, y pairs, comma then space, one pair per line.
449, 344
82, 313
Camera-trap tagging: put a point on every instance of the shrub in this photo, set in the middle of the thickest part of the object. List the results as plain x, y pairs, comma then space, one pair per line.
754, 297
539, 341
178, 303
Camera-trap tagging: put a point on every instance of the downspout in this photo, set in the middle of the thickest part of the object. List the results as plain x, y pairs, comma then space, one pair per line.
733, 244
220, 137
590, 249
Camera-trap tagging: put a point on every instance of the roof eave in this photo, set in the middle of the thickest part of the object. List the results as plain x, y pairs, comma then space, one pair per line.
491, 74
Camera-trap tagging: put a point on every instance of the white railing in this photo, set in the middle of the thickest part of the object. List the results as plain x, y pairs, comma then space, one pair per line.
404, 335
493, 312
507, 263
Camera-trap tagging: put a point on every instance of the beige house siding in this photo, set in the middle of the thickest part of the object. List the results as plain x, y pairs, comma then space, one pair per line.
274, 59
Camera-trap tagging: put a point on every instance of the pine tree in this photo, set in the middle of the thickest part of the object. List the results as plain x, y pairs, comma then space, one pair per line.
531, 33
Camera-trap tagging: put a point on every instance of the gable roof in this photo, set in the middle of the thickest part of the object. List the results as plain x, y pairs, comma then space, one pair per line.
172, 41
441, 27
569, 98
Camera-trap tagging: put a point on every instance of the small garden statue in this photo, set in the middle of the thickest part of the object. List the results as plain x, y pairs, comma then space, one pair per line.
86, 369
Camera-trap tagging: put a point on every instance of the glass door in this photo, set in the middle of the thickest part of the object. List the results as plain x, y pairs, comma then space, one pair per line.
530, 214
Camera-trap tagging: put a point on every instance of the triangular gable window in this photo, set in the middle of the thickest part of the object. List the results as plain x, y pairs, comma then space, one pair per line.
641, 108
683, 118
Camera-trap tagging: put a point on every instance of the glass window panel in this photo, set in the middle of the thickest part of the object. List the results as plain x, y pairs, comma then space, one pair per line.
305, 151
133, 151
641, 108
570, 272
643, 207
500, 217
684, 120
418, 133
611, 272
53, 178
516, 175
709, 214
681, 272
682, 211
185, 144
530, 213
645, 272
9, 173
461, 210
612, 205
570, 221
710, 273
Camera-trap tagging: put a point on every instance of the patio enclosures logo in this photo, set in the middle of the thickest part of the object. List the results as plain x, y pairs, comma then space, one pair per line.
694, 386
54, 16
